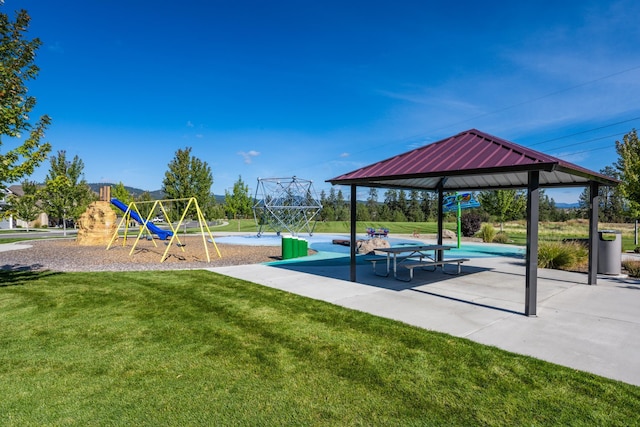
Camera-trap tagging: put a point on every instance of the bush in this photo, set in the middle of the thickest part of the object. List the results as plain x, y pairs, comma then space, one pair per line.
632, 267
487, 233
501, 237
563, 256
470, 223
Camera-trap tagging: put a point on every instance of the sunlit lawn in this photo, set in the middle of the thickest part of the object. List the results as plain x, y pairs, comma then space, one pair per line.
197, 348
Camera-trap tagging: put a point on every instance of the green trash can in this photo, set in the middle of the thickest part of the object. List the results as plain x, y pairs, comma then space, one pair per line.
287, 247
295, 247
303, 247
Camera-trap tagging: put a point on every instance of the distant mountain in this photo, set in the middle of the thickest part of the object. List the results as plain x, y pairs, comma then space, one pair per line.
567, 205
155, 195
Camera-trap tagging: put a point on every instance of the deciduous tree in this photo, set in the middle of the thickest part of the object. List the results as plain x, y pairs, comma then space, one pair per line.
238, 204
26, 207
120, 192
17, 67
503, 204
66, 194
628, 165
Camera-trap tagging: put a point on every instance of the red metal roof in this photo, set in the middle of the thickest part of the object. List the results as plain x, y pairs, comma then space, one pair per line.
470, 160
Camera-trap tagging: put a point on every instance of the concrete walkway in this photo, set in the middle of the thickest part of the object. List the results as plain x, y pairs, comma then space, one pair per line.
590, 328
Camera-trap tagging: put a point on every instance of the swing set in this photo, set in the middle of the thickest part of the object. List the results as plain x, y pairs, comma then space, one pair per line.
131, 212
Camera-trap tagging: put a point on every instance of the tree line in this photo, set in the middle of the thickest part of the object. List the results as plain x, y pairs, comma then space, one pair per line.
399, 205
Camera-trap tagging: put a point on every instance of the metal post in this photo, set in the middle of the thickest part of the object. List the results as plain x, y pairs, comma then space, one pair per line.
459, 218
531, 264
352, 246
440, 216
594, 204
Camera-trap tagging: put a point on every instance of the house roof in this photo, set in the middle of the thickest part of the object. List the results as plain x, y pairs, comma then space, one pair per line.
471, 160
16, 190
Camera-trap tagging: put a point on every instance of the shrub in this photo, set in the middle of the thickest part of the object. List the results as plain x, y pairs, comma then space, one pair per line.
501, 237
487, 233
632, 267
470, 223
563, 256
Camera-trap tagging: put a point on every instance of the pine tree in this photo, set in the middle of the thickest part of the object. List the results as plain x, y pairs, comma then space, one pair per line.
187, 177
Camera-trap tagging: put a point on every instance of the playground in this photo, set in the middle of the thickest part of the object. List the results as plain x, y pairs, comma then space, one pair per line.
66, 255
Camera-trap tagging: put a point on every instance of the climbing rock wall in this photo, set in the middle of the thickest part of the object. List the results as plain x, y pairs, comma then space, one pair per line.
97, 225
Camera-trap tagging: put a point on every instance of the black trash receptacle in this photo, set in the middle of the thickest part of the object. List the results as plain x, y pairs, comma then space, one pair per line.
609, 252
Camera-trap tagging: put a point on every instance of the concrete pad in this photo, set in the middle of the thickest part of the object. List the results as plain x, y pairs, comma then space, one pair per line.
5, 247
590, 328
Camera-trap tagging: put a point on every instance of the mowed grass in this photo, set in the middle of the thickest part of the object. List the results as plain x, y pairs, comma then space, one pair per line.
197, 348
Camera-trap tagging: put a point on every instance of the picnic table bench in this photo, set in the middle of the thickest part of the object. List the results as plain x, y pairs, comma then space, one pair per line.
377, 232
432, 263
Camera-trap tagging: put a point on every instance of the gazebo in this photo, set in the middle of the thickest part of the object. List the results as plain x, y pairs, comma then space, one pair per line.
473, 160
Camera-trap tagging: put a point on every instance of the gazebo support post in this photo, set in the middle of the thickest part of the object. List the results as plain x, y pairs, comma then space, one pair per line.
352, 246
594, 203
533, 204
440, 215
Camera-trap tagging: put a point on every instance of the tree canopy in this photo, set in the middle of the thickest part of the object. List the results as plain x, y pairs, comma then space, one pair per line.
238, 204
188, 176
26, 207
17, 56
503, 204
66, 194
628, 165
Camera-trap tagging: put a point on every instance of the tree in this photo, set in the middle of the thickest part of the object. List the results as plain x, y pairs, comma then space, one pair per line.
503, 204
120, 192
145, 205
342, 207
414, 211
427, 204
66, 194
26, 207
611, 202
372, 203
17, 58
238, 204
628, 165
187, 177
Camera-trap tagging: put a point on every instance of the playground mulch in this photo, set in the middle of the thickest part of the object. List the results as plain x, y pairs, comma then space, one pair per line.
66, 255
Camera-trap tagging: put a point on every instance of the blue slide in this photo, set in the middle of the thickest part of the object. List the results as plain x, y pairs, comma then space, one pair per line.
162, 234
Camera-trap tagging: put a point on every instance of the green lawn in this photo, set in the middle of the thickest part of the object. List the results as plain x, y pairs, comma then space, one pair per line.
197, 348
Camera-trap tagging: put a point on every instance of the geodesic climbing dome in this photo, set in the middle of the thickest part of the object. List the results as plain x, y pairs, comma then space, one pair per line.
285, 204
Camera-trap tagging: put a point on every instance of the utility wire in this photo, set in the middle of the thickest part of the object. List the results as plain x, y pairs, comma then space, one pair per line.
586, 131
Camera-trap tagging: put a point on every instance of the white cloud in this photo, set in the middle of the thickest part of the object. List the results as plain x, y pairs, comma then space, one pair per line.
55, 47
248, 156
189, 124
343, 155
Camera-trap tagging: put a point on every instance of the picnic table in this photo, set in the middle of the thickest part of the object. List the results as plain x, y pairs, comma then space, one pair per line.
415, 256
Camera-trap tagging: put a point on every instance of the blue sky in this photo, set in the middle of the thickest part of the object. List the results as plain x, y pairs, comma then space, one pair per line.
267, 89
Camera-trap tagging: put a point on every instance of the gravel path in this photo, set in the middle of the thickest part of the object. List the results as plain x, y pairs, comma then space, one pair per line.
67, 255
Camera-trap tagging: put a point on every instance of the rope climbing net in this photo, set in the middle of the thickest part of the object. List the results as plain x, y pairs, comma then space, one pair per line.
289, 204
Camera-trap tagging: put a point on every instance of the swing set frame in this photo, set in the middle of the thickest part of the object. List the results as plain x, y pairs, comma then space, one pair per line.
132, 207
